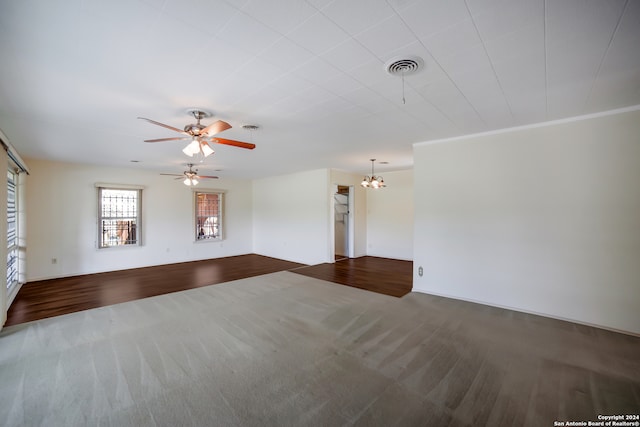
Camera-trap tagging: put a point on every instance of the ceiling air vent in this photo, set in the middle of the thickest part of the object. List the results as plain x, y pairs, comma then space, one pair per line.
403, 66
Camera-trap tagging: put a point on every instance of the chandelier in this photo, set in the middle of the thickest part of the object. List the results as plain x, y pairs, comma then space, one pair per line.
373, 181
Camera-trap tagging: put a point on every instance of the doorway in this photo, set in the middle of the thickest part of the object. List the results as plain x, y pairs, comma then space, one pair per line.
343, 222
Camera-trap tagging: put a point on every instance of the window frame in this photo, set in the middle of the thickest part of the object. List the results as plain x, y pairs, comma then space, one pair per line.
99, 218
18, 166
221, 217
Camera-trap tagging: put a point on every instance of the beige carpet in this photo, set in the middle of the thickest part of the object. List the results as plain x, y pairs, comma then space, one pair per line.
289, 350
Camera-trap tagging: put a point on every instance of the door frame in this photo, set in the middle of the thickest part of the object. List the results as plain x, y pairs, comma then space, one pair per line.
351, 234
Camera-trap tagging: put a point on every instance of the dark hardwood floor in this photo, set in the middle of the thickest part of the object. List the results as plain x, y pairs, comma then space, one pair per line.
382, 275
48, 298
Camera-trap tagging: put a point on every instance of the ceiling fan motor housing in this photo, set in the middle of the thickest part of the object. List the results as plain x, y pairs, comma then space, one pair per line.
198, 114
194, 128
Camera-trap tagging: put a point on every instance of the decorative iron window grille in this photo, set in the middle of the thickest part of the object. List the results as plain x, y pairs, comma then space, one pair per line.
208, 221
119, 217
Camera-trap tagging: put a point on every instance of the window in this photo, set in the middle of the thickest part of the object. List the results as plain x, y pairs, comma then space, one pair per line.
208, 223
16, 224
118, 217
12, 229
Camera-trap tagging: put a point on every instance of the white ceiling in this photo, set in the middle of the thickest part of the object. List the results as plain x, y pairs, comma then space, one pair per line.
75, 75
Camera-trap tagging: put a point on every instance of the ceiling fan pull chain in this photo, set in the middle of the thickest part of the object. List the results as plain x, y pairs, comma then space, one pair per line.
201, 152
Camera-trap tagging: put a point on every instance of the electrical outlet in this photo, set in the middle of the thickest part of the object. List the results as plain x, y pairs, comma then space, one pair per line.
420, 271
54, 260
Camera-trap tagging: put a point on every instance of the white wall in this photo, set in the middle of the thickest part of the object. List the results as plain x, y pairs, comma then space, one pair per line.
543, 220
359, 209
292, 215
390, 217
62, 201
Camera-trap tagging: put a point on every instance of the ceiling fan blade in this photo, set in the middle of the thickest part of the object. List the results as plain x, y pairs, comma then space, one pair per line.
240, 144
166, 139
172, 174
163, 125
206, 176
215, 128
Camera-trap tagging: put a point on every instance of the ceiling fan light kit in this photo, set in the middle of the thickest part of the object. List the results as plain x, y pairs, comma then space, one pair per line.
373, 181
190, 181
197, 146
